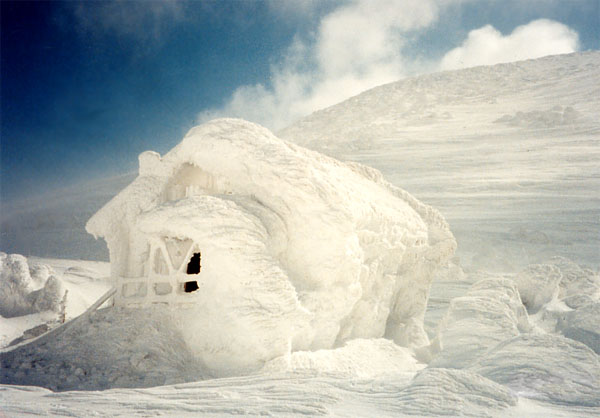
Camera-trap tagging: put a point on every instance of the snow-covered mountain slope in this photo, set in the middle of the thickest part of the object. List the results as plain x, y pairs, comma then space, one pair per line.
509, 153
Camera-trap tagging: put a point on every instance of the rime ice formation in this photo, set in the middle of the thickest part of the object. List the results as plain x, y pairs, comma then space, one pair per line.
25, 290
490, 312
575, 280
385, 358
288, 249
538, 285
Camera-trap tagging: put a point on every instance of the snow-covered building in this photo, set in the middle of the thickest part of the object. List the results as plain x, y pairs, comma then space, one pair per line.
274, 240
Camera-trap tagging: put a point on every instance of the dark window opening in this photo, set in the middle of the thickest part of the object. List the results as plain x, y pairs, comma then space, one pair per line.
189, 287
193, 266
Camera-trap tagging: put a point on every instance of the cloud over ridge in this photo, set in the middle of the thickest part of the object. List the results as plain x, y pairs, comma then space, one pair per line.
487, 46
361, 44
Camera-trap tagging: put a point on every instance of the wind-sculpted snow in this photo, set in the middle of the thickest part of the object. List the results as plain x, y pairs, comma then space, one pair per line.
575, 280
433, 392
383, 358
544, 367
299, 251
436, 391
538, 285
488, 314
564, 298
583, 325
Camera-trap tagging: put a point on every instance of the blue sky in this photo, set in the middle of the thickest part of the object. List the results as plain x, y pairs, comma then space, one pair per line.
87, 86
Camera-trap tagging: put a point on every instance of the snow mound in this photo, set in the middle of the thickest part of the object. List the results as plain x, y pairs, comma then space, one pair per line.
286, 395
25, 290
583, 325
578, 301
436, 391
114, 348
575, 279
490, 312
544, 367
297, 248
552, 288
357, 358
538, 284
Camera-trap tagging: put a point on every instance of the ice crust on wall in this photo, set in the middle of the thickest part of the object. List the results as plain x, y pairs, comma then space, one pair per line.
301, 251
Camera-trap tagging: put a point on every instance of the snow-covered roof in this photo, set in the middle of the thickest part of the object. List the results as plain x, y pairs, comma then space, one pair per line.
293, 228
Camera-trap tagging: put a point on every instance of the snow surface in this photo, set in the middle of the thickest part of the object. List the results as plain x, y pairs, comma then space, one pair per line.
546, 367
518, 180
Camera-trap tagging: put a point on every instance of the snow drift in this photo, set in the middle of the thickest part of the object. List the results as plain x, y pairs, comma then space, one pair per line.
299, 251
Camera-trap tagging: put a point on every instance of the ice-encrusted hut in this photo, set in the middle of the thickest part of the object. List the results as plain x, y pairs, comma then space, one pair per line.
295, 248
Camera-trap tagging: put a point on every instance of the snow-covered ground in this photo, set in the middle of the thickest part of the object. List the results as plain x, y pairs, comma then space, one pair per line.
508, 153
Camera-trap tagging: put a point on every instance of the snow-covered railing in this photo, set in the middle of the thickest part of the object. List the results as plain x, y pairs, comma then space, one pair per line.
174, 289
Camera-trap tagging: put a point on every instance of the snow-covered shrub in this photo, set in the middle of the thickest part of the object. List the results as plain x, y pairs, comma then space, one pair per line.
24, 291
48, 298
15, 285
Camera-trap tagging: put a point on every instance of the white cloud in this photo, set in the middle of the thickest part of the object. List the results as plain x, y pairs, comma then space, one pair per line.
356, 47
487, 46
